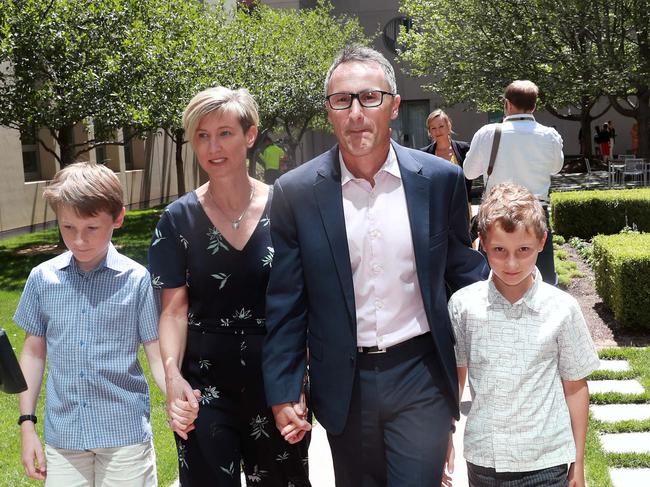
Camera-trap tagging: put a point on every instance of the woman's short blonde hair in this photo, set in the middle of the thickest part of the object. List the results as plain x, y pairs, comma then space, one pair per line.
220, 99
439, 113
511, 206
86, 187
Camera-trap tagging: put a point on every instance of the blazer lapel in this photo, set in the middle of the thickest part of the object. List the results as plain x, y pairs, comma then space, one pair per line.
417, 189
327, 190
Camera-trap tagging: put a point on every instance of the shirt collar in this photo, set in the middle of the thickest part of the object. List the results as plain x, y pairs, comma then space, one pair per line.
520, 116
111, 261
390, 166
532, 297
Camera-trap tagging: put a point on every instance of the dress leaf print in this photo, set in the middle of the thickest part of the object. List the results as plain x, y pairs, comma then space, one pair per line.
208, 395
156, 282
217, 241
159, 237
222, 278
230, 470
256, 475
267, 260
258, 425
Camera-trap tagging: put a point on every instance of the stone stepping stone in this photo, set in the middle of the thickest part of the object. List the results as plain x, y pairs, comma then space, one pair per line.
610, 413
626, 443
630, 477
621, 386
614, 365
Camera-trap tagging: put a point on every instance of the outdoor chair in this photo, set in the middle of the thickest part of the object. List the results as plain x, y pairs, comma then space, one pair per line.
634, 169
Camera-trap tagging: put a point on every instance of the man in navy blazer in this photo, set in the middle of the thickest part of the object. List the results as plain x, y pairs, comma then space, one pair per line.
366, 235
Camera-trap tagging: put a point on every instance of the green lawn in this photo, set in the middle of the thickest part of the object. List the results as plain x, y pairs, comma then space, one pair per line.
596, 459
17, 257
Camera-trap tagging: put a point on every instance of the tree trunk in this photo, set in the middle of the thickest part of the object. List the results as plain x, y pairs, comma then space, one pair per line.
65, 139
643, 119
585, 127
180, 169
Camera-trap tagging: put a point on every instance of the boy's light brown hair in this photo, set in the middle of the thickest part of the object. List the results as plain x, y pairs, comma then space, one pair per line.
511, 206
86, 187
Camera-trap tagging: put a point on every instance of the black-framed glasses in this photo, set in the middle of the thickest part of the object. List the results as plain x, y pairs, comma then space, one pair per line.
367, 99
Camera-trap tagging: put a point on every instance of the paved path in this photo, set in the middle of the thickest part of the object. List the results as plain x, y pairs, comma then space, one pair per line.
612, 413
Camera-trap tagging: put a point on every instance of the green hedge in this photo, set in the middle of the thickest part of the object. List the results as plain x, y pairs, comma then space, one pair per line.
587, 213
622, 271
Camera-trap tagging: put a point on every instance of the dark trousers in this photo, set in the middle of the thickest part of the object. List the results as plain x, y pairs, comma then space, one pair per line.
398, 427
545, 262
234, 427
488, 477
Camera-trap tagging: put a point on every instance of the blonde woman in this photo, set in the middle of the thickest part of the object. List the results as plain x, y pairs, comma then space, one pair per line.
442, 145
211, 255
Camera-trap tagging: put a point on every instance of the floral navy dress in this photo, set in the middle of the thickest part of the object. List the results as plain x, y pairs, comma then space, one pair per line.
223, 356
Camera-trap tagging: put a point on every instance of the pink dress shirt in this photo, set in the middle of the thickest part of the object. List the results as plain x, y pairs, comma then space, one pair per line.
387, 293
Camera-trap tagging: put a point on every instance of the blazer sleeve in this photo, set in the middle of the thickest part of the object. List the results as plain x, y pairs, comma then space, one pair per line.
284, 351
464, 264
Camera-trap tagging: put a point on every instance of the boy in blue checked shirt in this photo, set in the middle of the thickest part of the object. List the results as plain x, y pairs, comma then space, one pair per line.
528, 352
88, 310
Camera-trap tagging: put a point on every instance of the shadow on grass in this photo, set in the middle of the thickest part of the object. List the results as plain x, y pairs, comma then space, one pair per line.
16, 267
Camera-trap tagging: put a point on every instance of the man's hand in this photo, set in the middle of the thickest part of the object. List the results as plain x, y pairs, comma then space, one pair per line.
576, 475
32, 456
290, 420
449, 463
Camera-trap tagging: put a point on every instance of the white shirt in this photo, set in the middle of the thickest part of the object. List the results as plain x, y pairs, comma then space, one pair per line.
517, 355
387, 293
528, 154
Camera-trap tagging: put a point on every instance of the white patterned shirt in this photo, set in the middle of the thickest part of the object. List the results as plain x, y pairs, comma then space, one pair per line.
517, 356
93, 323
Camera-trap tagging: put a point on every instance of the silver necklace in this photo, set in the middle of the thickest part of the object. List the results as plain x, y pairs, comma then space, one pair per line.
234, 223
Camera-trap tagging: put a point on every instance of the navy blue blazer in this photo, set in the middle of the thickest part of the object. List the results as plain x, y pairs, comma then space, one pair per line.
310, 297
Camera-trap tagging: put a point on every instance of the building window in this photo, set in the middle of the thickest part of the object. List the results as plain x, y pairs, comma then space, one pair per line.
410, 127
31, 159
392, 30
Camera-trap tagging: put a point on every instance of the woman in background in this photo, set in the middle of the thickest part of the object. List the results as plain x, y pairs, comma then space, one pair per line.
442, 145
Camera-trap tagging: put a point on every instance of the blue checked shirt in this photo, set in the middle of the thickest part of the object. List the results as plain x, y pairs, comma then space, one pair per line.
93, 323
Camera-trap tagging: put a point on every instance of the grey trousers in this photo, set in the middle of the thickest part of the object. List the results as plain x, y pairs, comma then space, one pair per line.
488, 477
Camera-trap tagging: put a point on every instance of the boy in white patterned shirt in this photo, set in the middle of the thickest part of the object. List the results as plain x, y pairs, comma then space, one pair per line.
528, 352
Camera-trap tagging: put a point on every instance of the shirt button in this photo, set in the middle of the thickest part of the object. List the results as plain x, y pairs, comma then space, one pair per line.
376, 269
81, 343
379, 303
83, 311
81, 374
84, 404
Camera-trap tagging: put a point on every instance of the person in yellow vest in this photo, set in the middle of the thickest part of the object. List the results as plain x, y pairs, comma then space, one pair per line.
271, 157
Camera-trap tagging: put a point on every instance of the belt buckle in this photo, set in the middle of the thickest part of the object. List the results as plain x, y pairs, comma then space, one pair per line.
381, 350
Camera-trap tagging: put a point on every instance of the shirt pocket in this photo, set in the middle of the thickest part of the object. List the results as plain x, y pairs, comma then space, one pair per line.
115, 323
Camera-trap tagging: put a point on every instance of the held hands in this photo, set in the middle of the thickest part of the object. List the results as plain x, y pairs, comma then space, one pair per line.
182, 405
290, 419
32, 456
449, 463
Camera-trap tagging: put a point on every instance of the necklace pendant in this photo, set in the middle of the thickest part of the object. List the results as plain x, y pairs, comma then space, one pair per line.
234, 225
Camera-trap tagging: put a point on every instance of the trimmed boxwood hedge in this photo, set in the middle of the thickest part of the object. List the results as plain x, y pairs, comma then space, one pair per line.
622, 271
587, 213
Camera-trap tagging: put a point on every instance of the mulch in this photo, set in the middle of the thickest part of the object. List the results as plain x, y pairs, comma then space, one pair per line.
605, 330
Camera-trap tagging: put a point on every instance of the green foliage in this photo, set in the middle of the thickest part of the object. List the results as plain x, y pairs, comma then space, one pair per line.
584, 214
283, 59
68, 61
584, 248
622, 272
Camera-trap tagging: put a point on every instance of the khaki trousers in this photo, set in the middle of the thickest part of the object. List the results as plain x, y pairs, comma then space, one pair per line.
126, 466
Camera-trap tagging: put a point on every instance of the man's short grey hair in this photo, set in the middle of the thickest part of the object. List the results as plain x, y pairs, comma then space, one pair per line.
363, 54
